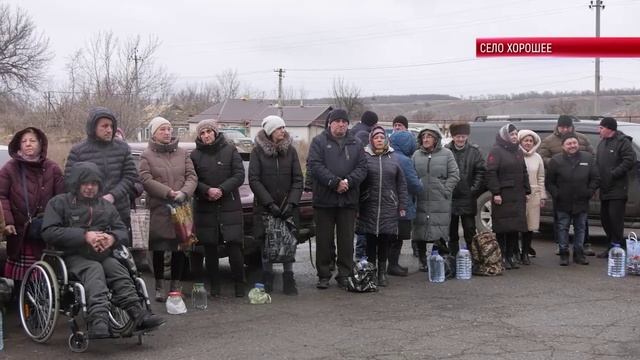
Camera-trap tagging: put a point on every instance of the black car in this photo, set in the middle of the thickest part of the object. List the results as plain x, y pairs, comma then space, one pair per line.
483, 133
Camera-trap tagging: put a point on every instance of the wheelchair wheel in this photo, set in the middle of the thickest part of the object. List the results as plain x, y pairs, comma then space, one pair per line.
119, 321
78, 342
39, 301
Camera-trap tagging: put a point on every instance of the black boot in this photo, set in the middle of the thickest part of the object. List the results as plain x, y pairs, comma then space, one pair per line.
580, 258
414, 247
99, 327
512, 245
289, 283
267, 280
239, 289
422, 256
143, 319
564, 258
382, 273
394, 267
526, 246
503, 249
214, 288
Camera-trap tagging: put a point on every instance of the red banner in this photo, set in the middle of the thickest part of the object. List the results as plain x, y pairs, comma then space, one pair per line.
621, 47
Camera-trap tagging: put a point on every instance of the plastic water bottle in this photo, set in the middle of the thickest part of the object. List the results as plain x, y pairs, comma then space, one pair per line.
199, 296
362, 264
257, 295
463, 264
436, 267
617, 259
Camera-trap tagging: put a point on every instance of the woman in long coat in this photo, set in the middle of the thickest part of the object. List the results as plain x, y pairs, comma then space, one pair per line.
382, 201
218, 208
42, 181
437, 169
168, 177
508, 182
529, 143
275, 178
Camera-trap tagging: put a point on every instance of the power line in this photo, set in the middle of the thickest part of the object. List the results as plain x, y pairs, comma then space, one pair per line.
388, 66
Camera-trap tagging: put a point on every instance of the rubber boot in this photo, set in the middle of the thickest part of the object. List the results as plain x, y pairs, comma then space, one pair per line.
382, 273
289, 283
564, 258
267, 280
161, 292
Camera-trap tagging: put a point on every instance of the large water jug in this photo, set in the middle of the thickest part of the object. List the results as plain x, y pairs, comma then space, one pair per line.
436, 267
616, 267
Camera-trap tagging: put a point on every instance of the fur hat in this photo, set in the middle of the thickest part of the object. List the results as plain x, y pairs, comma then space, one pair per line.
402, 120
156, 122
369, 118
461, 128
338, 114
567, 136
610, 123
207, 124
271, 123
565, 121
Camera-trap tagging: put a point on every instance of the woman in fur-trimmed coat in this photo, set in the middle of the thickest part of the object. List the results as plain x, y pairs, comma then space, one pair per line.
275, 177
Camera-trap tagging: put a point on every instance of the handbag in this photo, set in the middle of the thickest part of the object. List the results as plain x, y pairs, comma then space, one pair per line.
182, 218
33, 227
140, 229
279, 241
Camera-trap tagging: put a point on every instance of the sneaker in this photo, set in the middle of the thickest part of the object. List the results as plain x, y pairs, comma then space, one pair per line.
323, 283
588, 251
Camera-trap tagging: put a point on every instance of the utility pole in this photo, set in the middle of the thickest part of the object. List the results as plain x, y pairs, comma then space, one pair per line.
136, 78
596, 105
280, 72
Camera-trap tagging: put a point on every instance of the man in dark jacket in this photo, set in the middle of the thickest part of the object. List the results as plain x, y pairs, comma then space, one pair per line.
87, 227
615, 158
472, 170
338, 165
362, 129
552, 145
113, 158
572, 179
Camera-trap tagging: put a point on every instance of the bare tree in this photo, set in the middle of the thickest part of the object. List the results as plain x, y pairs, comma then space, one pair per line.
195, 98
228, 84
23, 52
347, 96
562, 107
423, 116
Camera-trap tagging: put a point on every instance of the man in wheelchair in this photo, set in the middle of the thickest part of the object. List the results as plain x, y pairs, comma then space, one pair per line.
86, 227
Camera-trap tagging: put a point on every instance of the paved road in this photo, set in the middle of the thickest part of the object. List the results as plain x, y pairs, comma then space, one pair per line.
540, 311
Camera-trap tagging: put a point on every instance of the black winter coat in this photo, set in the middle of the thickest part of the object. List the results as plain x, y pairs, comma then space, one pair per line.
507, 176
68, 217
275, 176
113, 159
572, 181
384, 194
218, 165
615, 158
329, 163
472, 177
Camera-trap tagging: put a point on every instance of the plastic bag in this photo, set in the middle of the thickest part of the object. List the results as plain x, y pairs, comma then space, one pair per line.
175, 304
633, 254
182, 217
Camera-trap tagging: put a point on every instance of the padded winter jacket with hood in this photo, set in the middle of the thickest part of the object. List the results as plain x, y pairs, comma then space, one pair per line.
404, 144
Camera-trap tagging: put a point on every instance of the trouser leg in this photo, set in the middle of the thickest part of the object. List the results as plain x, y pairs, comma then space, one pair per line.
345, 225
384, 241
454, 237
236, 261
158, 265
92, 277
578, 231
212, 265
361, 245
178, 261
469, 229
124, 293
616, 213
325, 235
372, 248
605, 217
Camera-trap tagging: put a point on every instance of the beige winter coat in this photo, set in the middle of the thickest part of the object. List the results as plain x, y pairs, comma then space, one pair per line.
535, 169
164, 168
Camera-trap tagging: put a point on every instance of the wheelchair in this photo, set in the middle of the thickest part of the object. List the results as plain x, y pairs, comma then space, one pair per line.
48, 289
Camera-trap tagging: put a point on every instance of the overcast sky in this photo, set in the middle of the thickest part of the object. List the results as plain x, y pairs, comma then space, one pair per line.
383, 47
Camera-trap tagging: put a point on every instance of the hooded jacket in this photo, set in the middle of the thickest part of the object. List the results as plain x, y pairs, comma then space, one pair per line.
218, 165
507, 176
329, 162
536, 172
552, 145
615, 158
472, 172
383, 194
113, 159
43, 181
404, 144
69, 216
438, 171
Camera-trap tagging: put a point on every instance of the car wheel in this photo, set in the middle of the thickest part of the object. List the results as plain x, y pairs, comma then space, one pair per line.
483, 216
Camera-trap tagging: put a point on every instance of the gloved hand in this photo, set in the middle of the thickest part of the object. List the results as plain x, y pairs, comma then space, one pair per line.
181, 197
286, 211
274, 210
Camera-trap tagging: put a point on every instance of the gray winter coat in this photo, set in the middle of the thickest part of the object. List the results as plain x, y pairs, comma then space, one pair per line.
382, 195
438, 172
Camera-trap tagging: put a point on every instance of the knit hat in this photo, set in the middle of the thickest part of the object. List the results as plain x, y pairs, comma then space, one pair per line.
402, 120
461, 128
375, 131
207, 124
369, 118
156, 122
565, 121
567, 136
338, 114
271, 123
610, 123
120, 132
